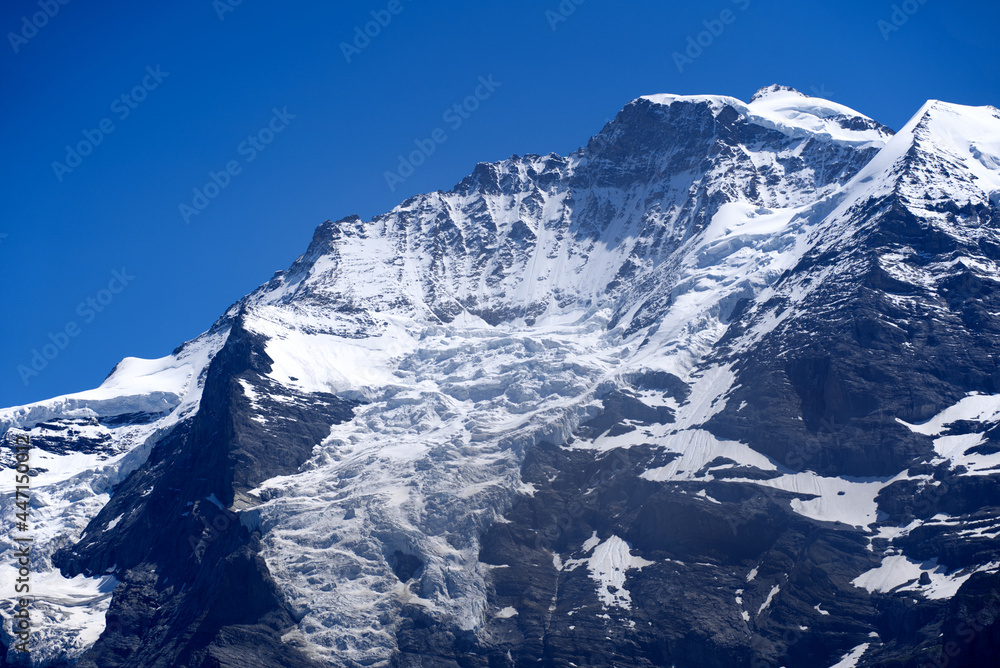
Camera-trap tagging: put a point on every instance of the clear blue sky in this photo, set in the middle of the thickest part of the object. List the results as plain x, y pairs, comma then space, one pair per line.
119, 208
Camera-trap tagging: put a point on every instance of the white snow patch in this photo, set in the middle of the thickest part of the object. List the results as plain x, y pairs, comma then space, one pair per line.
697, 448
846, 500
767, 602
974, 408
788, 111
591, 542
608, 566
900, 573
850, 660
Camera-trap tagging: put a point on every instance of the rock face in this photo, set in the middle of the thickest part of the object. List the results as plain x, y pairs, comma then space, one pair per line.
719, 389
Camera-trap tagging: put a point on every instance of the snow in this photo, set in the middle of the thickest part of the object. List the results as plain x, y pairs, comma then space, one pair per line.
793, 113
703, 494
248, 390
770, 597
975, 407
889, 532
609, 566
771, 241
641, 435
851, 501
448, 419
947, 133
901, 573
67, 614
967, 131
135, 386
952, 448
850, 660
789, 112
697, 448
75, 486
591, 543
321, 362
895, 571
980, 409
455, 403
716, 102
707, 398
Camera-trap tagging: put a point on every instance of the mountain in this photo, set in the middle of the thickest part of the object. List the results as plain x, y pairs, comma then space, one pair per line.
720, 388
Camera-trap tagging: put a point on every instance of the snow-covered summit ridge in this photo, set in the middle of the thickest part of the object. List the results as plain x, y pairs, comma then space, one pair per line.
946, 156
536, 237
775, 89
135, 385
969, 135
793, 113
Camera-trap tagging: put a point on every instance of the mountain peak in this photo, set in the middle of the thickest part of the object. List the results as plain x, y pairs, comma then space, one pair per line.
790, 112
773, 89
946, 152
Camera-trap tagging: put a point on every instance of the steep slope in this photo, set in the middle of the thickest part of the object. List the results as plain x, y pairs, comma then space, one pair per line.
883, 365
717, 389
82, 447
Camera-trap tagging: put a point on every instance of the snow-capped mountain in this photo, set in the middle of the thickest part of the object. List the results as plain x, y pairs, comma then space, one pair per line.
717, 389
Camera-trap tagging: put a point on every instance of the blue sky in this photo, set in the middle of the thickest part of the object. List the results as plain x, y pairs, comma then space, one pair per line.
201, 78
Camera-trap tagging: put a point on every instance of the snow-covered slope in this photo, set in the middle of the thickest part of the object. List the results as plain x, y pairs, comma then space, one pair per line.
82, 446
689, 352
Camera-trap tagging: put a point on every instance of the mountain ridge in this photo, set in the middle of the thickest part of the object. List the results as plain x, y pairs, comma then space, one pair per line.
651, 331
